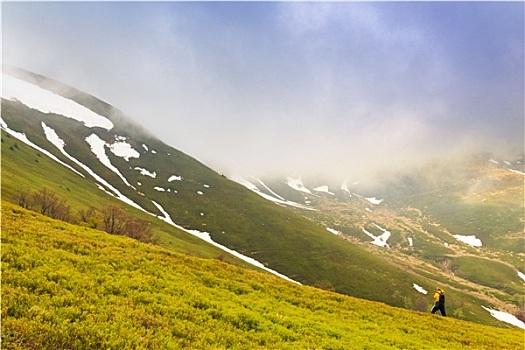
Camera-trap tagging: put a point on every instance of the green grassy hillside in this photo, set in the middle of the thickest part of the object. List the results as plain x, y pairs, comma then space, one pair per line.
283, 239
321, 258
72, 287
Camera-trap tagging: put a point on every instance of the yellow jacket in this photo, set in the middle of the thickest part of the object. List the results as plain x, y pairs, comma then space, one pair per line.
437, 294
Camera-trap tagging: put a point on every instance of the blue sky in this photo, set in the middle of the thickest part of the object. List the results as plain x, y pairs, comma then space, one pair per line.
343, 89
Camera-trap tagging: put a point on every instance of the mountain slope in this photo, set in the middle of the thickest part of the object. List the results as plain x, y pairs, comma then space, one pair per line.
202, 200
459, 223
66, 286
117, 161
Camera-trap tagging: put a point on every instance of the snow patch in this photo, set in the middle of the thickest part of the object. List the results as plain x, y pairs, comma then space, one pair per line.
200, 192
493, 161
160, 189
53, 137
470, 240
419, 289
279, 200
374, 200
146, 172
47, 102
123, 150
297, 184
324, 189
505, 317
522, 276
344, 187
174, 178
335, 232
517, 172
379, 240
97, 146
270, 190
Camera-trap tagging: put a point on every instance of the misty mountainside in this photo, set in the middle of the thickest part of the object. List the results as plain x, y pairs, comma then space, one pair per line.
91, 155
460, 221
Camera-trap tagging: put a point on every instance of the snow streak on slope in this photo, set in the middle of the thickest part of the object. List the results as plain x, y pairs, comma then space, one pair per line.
205, 236
270, 190
334, 231
146, 172
97, 146
379, 240
174, 178
123, 149
517, 172
374, 200
470, 240
419, 288
255, 189
297, 184
324, 189
22, 137
52, 136
505, 317
521, 275
48, 102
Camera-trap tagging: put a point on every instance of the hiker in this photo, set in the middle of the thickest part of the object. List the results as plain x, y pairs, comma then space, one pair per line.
439, 296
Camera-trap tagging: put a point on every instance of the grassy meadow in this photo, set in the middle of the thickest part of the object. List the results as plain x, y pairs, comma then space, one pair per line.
72, 287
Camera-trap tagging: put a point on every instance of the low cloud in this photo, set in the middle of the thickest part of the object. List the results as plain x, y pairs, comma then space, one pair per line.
343, 90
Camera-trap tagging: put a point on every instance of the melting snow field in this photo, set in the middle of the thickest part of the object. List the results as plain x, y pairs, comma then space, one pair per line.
124, 150
335, 232
374, 200
48, 102
505, 317
297, 184
517, 172
522, 276
419, 289
279, 200
470, 240
379, 240
146, 172
97, 146
324, 189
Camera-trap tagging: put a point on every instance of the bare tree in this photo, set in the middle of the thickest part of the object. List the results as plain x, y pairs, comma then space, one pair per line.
46, 200
112, 219
24, 199
138, 229
88, 216
116, 221
60, 210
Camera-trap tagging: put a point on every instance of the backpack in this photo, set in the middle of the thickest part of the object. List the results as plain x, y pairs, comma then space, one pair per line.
441, 297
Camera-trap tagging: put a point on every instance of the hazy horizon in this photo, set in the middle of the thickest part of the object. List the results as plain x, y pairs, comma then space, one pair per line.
340, 89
